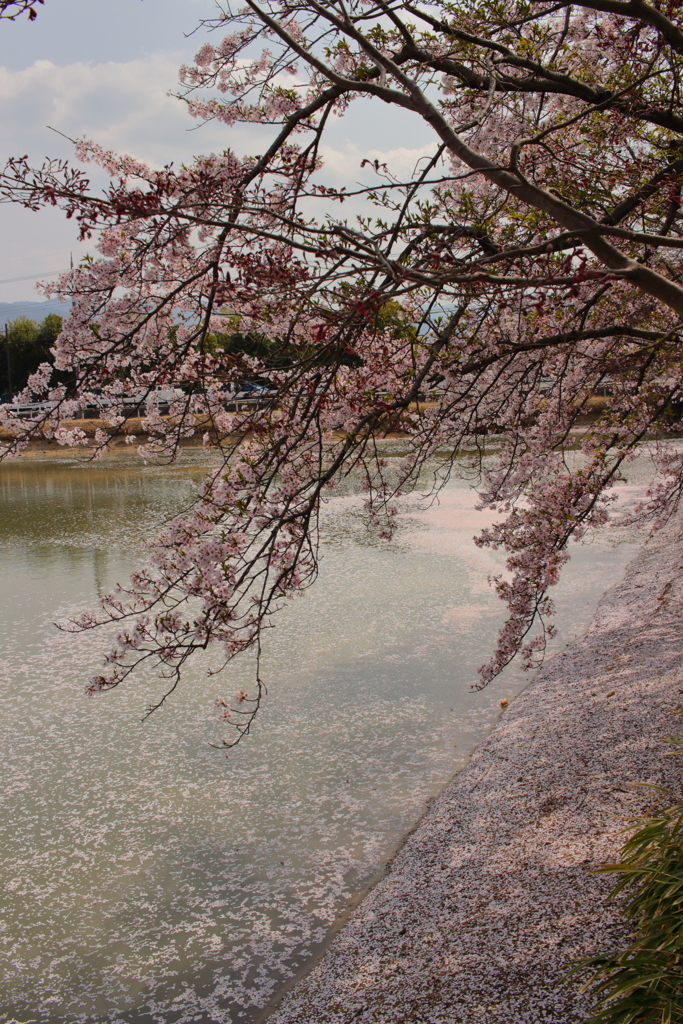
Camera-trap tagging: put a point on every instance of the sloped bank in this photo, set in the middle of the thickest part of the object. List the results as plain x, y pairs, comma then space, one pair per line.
495, 891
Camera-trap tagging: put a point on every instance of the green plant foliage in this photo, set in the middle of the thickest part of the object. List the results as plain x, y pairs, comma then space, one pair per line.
278, 353
281, 353
29, 346
643, 983
270, 352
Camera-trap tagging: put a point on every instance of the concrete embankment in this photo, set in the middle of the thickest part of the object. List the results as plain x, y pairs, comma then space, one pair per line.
495, 891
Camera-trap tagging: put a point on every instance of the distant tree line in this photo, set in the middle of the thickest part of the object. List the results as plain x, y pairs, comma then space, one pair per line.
29, 345
282, 353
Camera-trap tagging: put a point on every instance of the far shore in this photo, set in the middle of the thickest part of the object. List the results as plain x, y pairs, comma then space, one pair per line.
133, 427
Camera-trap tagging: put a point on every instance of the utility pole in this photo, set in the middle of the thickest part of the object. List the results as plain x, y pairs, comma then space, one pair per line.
9, 365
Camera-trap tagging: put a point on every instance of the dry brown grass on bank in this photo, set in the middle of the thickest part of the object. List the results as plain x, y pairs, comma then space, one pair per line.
133, 427
130, 427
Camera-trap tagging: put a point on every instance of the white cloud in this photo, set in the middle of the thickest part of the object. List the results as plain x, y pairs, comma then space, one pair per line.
125, 106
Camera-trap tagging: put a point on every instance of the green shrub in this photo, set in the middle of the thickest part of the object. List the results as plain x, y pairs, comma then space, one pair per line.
643, 983
30, 344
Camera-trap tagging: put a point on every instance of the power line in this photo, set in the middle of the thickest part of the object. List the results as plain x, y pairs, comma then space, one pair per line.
34, 277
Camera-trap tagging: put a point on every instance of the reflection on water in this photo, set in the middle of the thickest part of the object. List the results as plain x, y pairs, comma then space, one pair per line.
149, 877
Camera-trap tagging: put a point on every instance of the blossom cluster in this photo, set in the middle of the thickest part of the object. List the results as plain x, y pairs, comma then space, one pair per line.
478, 308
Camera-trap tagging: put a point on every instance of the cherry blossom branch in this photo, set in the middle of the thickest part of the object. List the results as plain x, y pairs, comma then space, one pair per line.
475, 307
11, 9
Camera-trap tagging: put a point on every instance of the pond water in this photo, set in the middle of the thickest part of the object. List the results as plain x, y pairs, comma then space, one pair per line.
148, 876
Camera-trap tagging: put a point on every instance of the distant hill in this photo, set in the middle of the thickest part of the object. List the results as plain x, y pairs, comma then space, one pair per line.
33, 310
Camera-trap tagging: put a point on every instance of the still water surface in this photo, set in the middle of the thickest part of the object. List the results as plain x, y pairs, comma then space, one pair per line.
147, 876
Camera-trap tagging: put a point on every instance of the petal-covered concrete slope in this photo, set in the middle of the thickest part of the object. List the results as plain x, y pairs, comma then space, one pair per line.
495, 892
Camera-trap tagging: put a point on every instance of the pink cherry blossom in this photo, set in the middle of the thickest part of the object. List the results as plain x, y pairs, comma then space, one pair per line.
525, 280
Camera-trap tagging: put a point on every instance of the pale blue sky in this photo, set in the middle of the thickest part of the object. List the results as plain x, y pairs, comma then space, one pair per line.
104, 69
66, 31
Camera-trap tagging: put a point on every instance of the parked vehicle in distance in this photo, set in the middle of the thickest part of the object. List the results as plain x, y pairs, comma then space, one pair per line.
247, 392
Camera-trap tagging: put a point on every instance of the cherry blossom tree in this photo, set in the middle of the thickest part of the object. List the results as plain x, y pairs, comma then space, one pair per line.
530, 261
